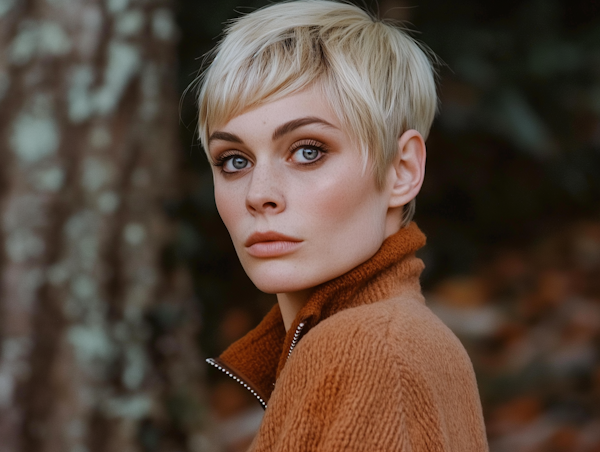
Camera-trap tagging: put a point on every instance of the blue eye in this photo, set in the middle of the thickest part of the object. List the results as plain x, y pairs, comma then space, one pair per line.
235, 163
307, 154
239, 162
310, 154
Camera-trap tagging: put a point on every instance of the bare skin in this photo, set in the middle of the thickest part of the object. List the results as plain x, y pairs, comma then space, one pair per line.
291, 188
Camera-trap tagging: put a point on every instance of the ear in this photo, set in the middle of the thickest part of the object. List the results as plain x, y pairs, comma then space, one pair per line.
408, 169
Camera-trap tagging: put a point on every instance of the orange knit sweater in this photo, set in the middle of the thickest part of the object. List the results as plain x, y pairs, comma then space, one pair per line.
365, 366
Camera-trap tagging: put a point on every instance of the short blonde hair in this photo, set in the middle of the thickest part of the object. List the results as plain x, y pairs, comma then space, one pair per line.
378, 80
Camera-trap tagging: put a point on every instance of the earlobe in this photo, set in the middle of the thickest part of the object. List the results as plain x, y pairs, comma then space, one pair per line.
408, 168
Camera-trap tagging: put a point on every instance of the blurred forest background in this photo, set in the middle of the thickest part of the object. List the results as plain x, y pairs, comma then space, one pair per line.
118, 277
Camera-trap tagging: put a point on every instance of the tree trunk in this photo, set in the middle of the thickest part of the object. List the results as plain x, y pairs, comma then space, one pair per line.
97, 334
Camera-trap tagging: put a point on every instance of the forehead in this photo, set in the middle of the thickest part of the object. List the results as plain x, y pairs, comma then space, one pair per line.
309, 106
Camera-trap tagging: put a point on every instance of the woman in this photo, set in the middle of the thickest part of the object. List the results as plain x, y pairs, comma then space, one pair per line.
314, 116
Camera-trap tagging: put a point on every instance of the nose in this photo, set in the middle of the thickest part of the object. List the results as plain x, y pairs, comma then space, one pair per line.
265, 192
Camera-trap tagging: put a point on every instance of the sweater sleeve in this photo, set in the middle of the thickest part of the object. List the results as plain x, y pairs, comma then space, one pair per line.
348, 387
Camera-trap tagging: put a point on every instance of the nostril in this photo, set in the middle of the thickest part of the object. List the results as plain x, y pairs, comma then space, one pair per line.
270, 204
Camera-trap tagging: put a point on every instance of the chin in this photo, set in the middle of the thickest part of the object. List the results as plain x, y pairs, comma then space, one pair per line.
275, 281
275, 285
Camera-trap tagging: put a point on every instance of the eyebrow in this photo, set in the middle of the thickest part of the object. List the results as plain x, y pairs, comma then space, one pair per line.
297, 123
225, 136
282, 130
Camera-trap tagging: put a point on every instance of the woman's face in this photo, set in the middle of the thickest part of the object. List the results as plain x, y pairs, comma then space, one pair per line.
291, 188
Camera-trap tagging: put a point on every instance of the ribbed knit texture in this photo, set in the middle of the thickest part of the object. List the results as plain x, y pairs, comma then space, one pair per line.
374, 370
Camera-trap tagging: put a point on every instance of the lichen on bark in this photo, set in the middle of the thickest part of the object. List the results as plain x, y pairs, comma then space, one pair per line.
88, 142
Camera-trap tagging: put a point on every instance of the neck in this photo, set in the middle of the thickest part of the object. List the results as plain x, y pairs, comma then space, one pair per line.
393, 220
290, 304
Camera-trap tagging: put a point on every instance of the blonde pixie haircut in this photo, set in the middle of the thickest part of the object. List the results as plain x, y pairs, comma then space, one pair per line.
378, 80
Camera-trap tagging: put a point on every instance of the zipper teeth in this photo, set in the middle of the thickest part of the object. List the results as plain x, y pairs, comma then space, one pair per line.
212, 362
295, 339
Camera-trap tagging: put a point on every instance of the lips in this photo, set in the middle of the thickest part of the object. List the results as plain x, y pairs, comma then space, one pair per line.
271, 244
269, 236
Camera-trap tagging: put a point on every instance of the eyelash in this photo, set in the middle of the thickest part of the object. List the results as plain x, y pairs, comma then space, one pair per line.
311, 144
222, 159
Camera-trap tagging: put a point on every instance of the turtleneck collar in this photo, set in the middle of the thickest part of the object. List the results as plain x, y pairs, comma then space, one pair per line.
259, 356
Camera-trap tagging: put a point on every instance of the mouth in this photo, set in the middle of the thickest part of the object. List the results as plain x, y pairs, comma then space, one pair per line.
269, 236
271, 244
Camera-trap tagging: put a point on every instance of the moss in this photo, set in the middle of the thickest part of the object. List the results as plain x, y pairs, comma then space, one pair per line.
129, 23
108, 202
24, 46
133, 407
150, 84
14, 364
123, 64
81, 224
134, 233
53, 41
116, 6
48, 179
91, 343
96, 174
38, 39
87, 248
163, 24
23, 244
6, 6
82, 231
80, 103
35, 133
135, 367
7, 388
83, 286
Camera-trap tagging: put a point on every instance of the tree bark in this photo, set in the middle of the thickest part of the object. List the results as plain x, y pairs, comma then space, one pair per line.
97, 336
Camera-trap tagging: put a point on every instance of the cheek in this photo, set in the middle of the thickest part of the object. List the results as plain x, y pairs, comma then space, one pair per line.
227, 206
344, 200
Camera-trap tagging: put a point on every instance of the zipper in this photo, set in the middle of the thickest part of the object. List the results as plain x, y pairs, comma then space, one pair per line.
229, 373
296, 338
213, 362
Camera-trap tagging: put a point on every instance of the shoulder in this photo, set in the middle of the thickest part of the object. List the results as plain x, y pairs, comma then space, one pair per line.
396, 332
404, 323
391, 366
